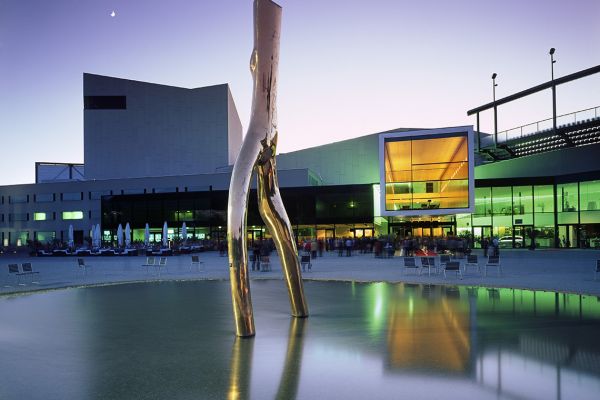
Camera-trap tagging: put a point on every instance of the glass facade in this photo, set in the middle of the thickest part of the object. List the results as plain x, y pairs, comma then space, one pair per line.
555, 215
517, 214
315, 211
424, 173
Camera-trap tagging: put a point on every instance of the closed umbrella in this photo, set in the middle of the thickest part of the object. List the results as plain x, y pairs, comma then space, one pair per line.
98, 236
127, 235
92, 235
120, 235
164, 234
147, 235
184, 232
71, 242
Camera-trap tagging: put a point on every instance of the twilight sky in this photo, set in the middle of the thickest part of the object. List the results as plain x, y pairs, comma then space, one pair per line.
348, 67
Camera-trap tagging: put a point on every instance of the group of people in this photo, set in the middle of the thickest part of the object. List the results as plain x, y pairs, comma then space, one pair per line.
490, 246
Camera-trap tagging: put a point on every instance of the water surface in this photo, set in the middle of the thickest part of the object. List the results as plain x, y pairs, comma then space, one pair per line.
175, 340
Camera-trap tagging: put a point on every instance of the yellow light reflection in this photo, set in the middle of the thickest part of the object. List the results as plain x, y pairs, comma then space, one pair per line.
429, 334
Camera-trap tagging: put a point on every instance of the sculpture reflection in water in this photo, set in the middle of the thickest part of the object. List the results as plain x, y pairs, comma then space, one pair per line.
258, 153
241, 363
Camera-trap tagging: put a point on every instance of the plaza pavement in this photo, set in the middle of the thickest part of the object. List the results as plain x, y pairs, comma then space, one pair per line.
569, 271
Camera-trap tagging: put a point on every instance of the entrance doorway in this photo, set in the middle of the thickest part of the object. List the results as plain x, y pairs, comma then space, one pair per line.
422, 229
324, 234
253, 235
568, 235
362, 232
480, 232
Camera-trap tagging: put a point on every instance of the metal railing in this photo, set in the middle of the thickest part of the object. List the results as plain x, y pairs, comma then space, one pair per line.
546, 124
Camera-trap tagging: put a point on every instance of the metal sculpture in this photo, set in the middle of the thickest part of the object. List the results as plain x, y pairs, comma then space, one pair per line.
258, 154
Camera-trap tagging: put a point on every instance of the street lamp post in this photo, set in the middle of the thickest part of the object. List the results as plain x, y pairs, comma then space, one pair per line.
494, 84
552, 61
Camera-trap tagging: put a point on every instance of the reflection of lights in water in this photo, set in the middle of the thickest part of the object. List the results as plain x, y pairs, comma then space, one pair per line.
411, 306
377, 296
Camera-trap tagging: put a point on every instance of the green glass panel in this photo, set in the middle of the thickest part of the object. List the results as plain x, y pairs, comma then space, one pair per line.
567, 197
544, 199
589, 193
590, 217
483, 201
502, 201
522, 200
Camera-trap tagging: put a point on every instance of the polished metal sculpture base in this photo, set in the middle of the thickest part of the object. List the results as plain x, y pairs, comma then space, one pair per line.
258, 154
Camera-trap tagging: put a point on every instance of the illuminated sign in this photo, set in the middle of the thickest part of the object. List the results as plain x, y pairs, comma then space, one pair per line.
427, 172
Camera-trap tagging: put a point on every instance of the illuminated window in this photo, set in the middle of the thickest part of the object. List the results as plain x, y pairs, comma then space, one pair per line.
426, 172
45, 236
39, 216
66, 215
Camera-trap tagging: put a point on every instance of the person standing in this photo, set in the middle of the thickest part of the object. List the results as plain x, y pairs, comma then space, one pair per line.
348, 247
485, 243
313, 249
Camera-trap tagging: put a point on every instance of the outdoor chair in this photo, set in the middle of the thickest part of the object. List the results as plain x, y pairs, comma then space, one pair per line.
162, 263
195, 263
82, 265
444, 258
409, 263
472, 261
28, 271
265, 263
494, 262
305, 262
429, 263
150, 262
453, 266
597, 269
13, 269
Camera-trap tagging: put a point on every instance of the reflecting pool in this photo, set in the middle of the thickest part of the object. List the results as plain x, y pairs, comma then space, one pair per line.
175, 340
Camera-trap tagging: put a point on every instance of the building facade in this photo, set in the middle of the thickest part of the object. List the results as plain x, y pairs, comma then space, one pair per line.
156, 154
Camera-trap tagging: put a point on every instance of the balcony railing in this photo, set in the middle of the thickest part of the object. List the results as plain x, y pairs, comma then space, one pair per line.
544, 125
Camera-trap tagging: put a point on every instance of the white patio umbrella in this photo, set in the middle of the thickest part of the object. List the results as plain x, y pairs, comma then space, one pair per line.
147, 235
120, 235
164, 234
127, 235
184, 232
92, 235
98, 236
71, 241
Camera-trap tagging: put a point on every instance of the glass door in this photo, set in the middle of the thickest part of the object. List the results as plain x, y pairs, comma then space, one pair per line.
567, 236
479, 233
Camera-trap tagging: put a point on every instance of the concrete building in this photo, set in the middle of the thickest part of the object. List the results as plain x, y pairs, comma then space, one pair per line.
136, 129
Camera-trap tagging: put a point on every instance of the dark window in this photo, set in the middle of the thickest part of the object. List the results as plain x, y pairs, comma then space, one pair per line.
105, 102
24, 198
43, 198
72, 196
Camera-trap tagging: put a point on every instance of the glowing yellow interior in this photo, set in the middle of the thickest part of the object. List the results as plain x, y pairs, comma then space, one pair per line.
427, 173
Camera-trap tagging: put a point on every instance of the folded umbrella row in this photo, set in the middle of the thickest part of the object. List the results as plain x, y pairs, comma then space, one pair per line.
124, 236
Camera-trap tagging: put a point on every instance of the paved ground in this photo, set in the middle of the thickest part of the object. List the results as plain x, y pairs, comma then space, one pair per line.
570, 271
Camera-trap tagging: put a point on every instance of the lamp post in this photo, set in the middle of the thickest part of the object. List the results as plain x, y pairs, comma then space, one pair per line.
552, 61
494, 84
